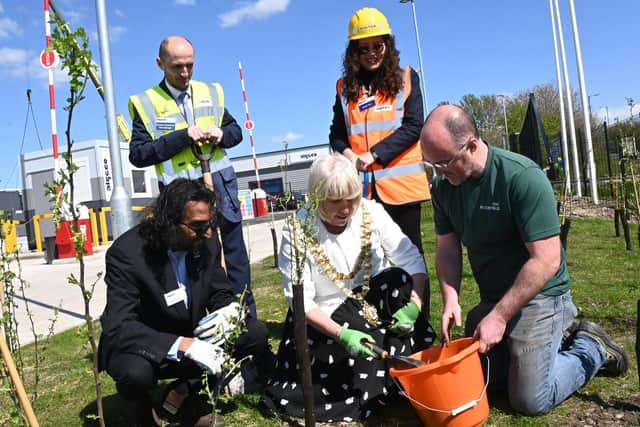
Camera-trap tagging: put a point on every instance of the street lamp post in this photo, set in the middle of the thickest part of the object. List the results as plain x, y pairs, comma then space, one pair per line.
286, 164
425, 102
504, 112
606, 108
589, 100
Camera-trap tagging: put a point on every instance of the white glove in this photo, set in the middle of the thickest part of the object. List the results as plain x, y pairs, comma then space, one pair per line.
215, 326
207, 356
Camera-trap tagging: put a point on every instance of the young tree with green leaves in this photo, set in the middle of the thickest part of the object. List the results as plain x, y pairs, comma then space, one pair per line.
75, 58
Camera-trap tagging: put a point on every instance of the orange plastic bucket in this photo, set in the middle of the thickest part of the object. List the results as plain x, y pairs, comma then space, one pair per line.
450, 389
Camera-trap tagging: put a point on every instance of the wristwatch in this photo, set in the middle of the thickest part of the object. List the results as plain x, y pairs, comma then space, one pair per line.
375, 156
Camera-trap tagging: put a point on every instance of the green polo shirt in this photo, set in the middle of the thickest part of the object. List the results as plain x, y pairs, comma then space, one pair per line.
495, 214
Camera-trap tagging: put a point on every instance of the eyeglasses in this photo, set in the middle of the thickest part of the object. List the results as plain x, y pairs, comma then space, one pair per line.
445, 164
200, 227
365, 49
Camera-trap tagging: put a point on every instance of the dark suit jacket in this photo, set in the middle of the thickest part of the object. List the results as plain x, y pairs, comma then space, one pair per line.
136, 318
144, 151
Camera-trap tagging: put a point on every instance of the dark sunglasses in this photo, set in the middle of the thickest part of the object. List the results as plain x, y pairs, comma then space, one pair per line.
365, 49
200, 227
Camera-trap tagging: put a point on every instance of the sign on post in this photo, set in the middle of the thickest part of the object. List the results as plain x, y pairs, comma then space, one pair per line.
48, 58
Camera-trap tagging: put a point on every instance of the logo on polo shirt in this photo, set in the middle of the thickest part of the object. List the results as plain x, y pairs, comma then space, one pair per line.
494, 206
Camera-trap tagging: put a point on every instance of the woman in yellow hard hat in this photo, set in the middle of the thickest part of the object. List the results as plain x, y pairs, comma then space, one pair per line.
377, 117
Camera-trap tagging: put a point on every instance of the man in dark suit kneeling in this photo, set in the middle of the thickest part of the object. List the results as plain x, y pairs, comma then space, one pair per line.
170, 307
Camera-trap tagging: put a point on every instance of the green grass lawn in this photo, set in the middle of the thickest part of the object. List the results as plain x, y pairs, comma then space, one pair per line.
605, 286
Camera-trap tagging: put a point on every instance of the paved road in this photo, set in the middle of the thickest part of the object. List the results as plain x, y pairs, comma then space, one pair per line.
49, 290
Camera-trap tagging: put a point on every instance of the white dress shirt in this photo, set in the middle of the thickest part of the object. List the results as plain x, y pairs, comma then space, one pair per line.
389, 247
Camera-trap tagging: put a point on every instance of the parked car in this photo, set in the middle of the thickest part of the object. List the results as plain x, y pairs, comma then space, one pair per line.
295, 200
273, 202
285, 201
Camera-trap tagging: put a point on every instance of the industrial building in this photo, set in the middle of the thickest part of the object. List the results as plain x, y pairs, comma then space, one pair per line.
278, 171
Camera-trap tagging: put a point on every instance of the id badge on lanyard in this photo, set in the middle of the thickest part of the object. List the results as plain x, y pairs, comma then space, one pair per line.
367, 103
365, 184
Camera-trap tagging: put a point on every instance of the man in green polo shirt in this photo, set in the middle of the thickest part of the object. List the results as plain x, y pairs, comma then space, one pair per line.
501, 206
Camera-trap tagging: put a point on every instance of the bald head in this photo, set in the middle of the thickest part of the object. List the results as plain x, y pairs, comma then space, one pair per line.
176, 59
448, 123
451, 144
174, 44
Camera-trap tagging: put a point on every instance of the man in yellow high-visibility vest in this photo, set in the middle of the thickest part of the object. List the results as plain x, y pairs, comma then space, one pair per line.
167, 120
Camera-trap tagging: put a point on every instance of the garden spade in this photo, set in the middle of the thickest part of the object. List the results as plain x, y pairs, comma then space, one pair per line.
400, 362
204, 164
208, 181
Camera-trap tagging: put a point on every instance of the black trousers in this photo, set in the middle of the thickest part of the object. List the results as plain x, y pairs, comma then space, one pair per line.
237, 260
136, 376
407, 217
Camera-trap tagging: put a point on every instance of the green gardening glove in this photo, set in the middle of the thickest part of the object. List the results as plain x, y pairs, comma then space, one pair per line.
404, 318
351, 340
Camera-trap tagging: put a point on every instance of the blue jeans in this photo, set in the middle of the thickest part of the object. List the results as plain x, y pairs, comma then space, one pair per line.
538, 374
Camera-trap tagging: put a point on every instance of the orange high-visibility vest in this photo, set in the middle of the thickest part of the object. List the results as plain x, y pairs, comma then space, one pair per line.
404, 180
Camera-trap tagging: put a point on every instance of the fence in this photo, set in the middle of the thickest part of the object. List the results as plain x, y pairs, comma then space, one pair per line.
99, 229
617, 165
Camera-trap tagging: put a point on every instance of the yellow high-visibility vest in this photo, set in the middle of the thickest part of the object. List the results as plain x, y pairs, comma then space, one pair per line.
160, 115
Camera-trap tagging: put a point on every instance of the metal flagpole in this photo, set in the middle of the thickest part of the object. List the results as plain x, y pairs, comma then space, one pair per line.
248, 125
572, 126
585, 106
563, 125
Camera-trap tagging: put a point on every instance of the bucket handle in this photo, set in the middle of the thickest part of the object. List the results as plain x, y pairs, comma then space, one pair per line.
454, 411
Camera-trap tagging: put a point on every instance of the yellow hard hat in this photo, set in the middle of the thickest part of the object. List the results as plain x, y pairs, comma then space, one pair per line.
368, 22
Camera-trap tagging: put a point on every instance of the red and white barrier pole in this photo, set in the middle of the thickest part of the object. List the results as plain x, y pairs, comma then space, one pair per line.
248, 125
48, 60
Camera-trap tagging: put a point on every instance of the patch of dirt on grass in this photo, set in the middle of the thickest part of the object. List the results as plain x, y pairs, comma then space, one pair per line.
584, 208
614, 412
593, 211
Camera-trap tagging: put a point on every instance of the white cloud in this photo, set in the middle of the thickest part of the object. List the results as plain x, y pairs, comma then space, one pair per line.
617, 112
261, 9
1, 8
14, 63
9, 27
60, 77
74, 17
19, 63
119, 12
11, 57
35, 70
289, 137
116, 32
185, 2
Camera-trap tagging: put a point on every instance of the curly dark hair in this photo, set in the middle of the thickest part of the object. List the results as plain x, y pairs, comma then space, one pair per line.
161, 228
388, 79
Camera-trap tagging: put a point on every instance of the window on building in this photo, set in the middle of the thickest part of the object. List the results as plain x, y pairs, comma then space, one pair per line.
273, 185
139, 183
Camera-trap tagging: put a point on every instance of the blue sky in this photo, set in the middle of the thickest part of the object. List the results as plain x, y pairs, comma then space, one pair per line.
291, 53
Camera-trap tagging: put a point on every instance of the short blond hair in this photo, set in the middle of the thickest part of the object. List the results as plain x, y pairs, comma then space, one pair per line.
334, 177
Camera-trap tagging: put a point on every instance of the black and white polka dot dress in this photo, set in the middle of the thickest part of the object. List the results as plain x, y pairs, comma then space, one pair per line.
348, 388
